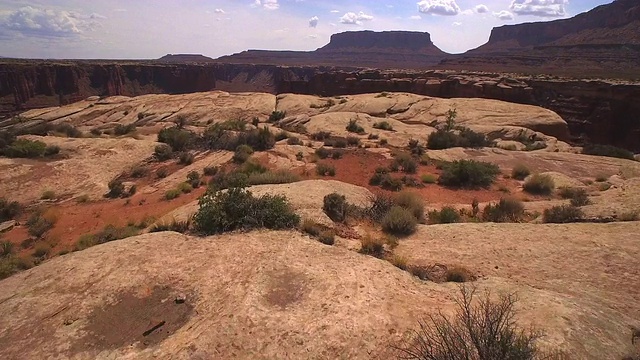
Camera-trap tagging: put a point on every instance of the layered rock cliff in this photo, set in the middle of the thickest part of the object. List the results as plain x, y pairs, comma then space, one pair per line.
599, 111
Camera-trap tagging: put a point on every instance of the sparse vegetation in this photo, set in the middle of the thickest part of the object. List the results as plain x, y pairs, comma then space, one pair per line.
186, 158
607, 150
67, 130
324, 169
24, 148
272, 177
399, 221
172, 194
412, 202
563, 214
139, 172
48, 195
335, 206
520, 172
578, 196
178, 138
429, 179
294, 141
277, 116
353, 141
210, 170
372, 246
237, 208
446, 215
163, 152
107, 234
120, 129
185, 188
467, 138
242, 154
481, 329
354, 127
8, 209
320, 135
162, 173
180, 226
116, 189
38, 224
469, 174
383, 125
506, 210
406, 163
320, 232
539, 184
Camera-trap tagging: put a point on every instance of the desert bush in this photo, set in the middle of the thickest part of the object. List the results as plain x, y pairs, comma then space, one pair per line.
391, 183
172, 194
373, 137
471, 139
446, 215
429, 179
412, 202
520, 172
411, 181
23, 148
185, 188
193, 179
237, 208
562, 214
400, 262
324, 169
38, 225
177, 138
234, 125
48, 195
139, 171
337, 154
6, 139
163, 152
383, 125
299, 156
180, 226
383, 142
276, 116
186, 158
51, 150
281, 135
327, 237
162, 173
242, 154
68, 130
335, 206
354, 127
336, 142
380, 206
6, 248
578, 196
406, 162
607, 150
378, 176
481, 329
116, 189
124, 129
260, 139
372, 246
458, 275
399, 221
539, 184
223, 180
107, 234
272, 177
468, 174
8, 209
294, 141
41, 251
323, 152
320, 135
311, 227
95, 132
442, 139
210, 170
506, 210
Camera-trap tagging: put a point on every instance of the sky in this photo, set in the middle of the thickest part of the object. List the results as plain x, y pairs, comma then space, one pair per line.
149, 29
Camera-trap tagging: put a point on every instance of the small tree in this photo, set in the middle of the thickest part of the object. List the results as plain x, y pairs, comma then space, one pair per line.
450, 123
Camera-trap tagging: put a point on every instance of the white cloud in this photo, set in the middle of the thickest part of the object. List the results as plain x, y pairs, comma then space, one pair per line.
503, 15
415, 17
352, 18
267, 4
481, 9
313, 22
218, 11
335, 11
457, 23
542, 8
439, 7
40, 22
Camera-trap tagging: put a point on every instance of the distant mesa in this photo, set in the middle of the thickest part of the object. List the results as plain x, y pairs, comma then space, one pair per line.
185, 58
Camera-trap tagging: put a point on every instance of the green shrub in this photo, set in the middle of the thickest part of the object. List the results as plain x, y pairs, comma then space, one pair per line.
172, 194
323, 152
562, 214
8, 209
162, 173
354, 127
353, 141
336, 142
107, 234
335, 206
442, 139
399, 221
124, 129
506, 210
429, 179
277, 116
520, 172
415, 147
223, 180
23, 148
320, 135
38, 225
578, 196
468, 174
116, 189
234, 125
261, 139
406, 162
186, 158
48, 195
324, 169
177, 138
446, 215
237, 208
272, 177
337, 154
383, 125
608, 150
412, 202
193, 178
294, 141
139, 172
539, 184
391, 183
185, 188
242, 154
411, 181
210, 170
6, 248
471, 139
163, 152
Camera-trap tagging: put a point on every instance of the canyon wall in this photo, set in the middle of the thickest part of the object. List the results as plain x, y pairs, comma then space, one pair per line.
598, 111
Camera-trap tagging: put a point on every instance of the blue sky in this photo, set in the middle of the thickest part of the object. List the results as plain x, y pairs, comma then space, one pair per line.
130, 29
